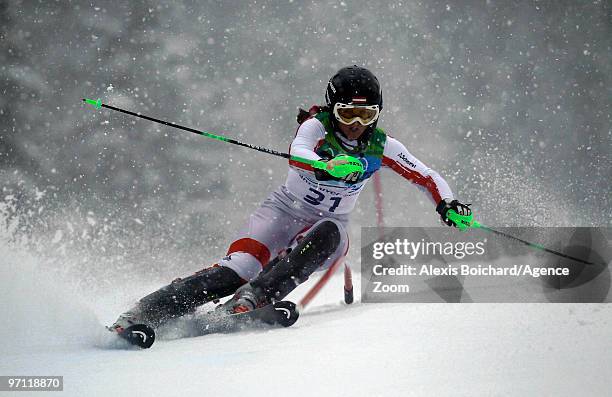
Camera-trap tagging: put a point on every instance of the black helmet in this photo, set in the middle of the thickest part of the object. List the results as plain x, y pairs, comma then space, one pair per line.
354, 85
350, 85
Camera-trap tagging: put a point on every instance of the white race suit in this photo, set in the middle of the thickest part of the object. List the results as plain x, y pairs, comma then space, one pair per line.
302, 201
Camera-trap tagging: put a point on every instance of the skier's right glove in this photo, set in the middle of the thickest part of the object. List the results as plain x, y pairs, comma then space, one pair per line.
444, 206
323, 175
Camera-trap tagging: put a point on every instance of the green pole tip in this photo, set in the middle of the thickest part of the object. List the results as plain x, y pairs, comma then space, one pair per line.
97, 104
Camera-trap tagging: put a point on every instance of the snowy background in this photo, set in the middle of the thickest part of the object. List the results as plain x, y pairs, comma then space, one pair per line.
510, 101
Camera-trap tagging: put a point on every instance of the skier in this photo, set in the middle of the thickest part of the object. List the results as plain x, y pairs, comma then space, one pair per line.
302, 225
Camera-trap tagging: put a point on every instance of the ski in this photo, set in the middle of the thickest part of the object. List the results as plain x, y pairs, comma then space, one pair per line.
138, 335
277, 314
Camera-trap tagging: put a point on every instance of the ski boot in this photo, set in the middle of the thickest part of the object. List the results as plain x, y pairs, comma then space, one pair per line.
245, 299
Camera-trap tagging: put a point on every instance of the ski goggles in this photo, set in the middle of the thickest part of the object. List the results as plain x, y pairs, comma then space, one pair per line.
348, 114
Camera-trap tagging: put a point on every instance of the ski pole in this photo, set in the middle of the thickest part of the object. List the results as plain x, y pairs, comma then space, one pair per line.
464, 222
350, 164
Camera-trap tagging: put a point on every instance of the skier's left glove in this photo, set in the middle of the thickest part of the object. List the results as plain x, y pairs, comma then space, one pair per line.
444, 206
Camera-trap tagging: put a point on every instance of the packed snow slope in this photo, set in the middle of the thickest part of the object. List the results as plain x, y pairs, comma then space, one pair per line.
51, 328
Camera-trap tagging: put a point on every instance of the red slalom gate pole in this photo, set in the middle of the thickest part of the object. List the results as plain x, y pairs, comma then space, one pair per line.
380, 219
348, 284
320, 284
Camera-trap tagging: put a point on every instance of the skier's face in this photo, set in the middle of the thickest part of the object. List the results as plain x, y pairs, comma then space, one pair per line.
353, 131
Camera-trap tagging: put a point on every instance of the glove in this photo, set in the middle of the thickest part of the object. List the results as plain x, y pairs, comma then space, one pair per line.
323, 175
444, 206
